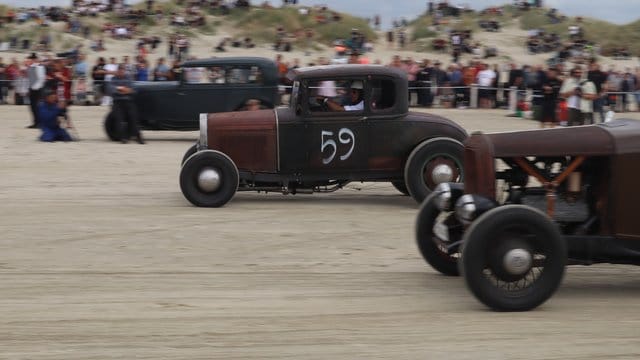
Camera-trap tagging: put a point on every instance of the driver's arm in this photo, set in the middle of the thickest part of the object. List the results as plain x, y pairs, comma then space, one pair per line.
332, 105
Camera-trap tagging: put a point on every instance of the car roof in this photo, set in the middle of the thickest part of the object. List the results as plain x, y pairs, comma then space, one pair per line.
231, 60
348, 70
615, 137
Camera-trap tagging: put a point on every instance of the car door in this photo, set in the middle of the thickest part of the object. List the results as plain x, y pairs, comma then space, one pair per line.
201, 90
321, 143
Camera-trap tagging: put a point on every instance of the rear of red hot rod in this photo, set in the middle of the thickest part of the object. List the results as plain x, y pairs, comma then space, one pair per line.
531, 203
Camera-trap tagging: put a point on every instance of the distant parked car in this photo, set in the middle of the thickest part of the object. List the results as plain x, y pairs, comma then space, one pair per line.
312, 147
205, 86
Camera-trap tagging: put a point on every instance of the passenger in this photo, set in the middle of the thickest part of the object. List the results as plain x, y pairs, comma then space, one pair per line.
356, 98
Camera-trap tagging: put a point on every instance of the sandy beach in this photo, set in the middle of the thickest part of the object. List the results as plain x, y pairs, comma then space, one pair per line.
103, 258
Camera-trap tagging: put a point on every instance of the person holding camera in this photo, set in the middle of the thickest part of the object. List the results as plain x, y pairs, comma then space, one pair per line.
51, 113
580, 95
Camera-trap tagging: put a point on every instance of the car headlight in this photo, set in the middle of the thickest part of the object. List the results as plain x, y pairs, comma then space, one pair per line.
466, 209
443, 197
447, 194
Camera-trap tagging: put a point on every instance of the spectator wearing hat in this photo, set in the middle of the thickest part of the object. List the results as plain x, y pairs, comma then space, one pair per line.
37, 76
49, 113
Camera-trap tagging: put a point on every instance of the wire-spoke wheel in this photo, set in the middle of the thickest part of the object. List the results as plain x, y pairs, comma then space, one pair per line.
513, 258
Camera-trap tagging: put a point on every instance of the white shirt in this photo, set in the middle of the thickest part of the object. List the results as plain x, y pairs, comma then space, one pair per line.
40, 75
110, 67
356, 107
485, 77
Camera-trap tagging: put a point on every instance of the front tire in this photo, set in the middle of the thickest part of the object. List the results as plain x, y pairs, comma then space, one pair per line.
192, 150
209, 178
111, 127
431, 246
433, 162
513, 258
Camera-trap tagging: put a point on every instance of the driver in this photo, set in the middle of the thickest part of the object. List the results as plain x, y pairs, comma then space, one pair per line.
355, 96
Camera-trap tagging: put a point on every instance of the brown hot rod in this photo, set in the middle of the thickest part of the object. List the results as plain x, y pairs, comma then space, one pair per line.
344, 123
531, 203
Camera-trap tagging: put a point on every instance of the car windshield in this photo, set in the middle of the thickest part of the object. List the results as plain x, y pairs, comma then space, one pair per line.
294, 94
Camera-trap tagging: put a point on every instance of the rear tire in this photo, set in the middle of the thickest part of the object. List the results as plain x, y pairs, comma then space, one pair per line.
401, 186
513, 258
111, 127
209, 178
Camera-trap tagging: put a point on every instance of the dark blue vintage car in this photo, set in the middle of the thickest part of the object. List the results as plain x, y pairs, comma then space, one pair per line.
205, 86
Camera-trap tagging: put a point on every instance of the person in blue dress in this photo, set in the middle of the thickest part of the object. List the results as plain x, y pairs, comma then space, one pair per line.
50, 112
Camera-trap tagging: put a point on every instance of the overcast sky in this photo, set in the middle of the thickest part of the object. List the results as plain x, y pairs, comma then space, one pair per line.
616, 11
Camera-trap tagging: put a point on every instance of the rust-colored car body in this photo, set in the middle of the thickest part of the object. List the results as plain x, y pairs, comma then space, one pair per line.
307, 148
618, 143
531, 203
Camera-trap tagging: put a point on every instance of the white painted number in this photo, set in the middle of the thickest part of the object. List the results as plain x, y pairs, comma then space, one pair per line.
345, 136
328, 142
349, 139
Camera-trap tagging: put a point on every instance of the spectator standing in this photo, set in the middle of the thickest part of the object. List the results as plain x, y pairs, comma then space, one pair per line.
161, 72
142, 72
130, 69
124, 110
412, 68
485, 79
110, 70
97, 74
627, 86
21, 87
598, 78
423, 80
550, 93
579, 95
37, 76
4, 84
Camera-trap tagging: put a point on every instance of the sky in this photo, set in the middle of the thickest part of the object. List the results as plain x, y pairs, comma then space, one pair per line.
616, 11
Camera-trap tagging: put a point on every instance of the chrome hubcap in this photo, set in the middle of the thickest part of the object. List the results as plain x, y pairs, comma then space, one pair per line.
442, 173
517, 261
209, 180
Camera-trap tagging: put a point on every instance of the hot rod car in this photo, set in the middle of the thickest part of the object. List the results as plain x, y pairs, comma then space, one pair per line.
311, 147
203, 86
531, 203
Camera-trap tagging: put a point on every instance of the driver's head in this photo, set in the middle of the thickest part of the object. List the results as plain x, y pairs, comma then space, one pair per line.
356, 91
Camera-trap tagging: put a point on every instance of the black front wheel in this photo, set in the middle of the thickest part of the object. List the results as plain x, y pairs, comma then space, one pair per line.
209, 179
513, 258
192, 150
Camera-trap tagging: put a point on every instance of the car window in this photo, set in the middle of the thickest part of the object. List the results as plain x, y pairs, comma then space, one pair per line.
338, 93
195, 75
383, 95
243, 74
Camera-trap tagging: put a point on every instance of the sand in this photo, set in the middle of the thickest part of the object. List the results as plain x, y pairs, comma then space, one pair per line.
103, 258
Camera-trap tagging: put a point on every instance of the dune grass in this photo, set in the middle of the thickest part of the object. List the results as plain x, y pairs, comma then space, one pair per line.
261, 24
605, 34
